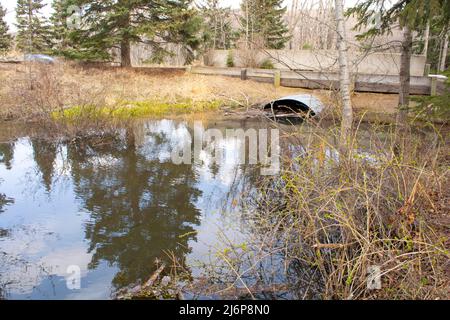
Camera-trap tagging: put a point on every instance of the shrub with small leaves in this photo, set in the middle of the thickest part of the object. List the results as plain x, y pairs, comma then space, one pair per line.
435, 107
267, 64
230, 59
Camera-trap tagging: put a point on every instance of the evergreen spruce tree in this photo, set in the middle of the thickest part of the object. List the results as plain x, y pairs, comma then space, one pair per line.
108, 25
184, 29
59, 29
32, 28
264, 19
5, 37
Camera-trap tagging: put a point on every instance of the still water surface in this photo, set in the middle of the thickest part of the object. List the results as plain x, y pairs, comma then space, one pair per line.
112, 207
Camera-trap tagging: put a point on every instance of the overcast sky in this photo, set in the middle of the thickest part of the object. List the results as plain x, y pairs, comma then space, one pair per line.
10, 5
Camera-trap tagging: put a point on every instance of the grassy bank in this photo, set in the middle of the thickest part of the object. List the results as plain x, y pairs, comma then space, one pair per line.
135, 109
32, 92
319, 226
40, 91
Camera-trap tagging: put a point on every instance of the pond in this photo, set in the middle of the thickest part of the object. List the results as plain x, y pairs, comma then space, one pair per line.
85, 217
108, 208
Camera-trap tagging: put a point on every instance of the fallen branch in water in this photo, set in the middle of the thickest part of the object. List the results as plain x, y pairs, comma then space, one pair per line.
153, 278
134, 291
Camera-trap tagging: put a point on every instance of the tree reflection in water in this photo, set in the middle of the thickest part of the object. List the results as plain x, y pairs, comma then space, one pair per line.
139, 205
122, 204
44, 154
7, 154
6, 157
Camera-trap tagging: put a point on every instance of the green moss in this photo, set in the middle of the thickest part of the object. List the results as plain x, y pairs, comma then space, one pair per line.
77, 112
137, 109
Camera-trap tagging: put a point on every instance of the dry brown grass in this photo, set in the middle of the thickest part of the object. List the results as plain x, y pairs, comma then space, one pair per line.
74, 84
327, 217
375, 102
65, 85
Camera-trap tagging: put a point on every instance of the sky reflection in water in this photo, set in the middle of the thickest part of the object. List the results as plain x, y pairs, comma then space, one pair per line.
112, 209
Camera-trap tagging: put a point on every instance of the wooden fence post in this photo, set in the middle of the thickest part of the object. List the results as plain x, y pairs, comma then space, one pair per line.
433, 86
244, 74
277, 78
426, 72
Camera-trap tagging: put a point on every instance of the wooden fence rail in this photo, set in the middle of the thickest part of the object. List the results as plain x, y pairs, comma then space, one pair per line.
325, 80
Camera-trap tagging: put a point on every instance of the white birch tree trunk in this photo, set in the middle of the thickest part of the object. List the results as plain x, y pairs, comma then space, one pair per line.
426, 39
444, 53
344, 75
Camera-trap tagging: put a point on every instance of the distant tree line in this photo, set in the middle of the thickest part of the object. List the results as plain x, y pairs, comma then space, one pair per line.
104, 27
5, 37
100, 29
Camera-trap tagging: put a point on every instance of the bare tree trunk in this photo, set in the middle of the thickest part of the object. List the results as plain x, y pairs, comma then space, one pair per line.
344, 75
30, 27
246, 24
426, 40
30, 40
444, 53
405, 79
125, 53
125, 44
215, 30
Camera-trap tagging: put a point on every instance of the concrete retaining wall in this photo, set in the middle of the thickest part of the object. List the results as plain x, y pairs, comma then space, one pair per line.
322, 60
